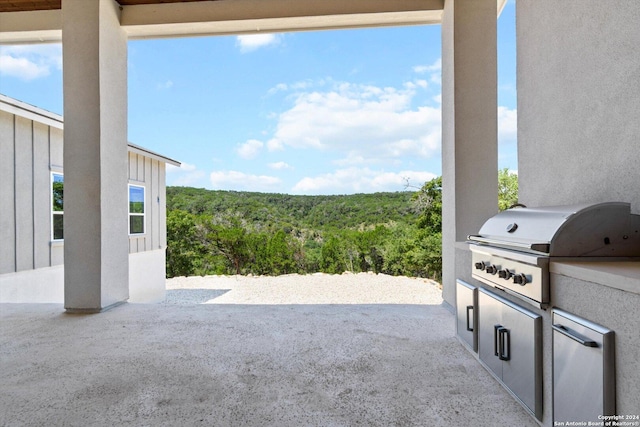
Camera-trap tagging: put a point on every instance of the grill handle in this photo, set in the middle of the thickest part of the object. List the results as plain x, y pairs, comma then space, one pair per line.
537, 247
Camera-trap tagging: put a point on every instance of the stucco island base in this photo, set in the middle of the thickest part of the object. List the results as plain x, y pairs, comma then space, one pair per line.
239, 362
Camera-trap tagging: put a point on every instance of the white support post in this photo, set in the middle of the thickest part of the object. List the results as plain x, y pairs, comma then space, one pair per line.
469, 130
95, 156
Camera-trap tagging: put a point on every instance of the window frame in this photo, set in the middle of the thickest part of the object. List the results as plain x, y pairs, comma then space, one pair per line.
137, 214
55, 213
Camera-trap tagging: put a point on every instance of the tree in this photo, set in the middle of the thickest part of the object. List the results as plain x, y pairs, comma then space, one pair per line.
229, 240
428, 204
183, 248
280, 254
507, 189
332, 257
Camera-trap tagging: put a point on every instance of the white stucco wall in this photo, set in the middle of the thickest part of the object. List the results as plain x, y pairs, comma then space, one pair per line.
578, 101
43, 285
147, 276
469, 131
46, 285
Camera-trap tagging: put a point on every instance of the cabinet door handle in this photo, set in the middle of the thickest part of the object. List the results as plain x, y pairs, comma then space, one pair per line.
469, 308
585, 341
504, 338
496, 344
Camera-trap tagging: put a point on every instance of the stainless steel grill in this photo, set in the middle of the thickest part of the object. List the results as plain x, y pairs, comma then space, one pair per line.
513, 249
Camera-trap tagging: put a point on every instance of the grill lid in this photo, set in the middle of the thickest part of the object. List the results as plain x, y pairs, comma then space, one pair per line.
596, 230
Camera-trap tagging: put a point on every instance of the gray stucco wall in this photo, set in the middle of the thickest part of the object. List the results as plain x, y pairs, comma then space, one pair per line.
579, 142
578, 101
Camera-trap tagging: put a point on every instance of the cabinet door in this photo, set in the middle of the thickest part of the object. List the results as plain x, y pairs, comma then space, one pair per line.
489, 319
522, 367
466, 313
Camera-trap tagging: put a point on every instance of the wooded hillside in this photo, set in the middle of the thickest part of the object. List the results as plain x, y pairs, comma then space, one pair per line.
233, 232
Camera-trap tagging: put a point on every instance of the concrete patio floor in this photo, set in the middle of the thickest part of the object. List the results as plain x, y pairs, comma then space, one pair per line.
244, 365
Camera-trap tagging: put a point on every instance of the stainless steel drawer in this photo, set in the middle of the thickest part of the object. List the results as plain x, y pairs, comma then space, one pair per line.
583, 369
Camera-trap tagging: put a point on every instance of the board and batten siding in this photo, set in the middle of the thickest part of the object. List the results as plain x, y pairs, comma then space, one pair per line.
150, 173
29, 152
31, 148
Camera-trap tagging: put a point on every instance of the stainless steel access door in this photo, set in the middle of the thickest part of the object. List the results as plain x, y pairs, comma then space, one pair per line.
467, 314
583, 369
510, 345
489, 315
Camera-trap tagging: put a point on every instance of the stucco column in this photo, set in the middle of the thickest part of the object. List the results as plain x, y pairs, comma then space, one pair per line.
95, 156
469, 130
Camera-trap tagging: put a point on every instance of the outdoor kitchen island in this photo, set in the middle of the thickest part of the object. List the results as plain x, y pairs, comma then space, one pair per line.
557, 324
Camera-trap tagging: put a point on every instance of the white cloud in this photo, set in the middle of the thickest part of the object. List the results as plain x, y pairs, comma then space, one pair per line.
234, 180
283, 87
354, 180
192, 179
280, 87
184, 167
275, 145
185, 175
507, 125
366, 121
28, 62
166, 85
280, 165
251, 42
250, 149
422, 69
434, 70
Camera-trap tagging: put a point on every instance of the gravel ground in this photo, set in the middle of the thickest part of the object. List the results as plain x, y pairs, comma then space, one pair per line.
319, 288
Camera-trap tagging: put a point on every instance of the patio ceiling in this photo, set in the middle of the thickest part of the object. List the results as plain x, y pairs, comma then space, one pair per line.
29, 21
31, 5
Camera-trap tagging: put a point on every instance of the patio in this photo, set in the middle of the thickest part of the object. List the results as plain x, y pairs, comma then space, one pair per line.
236, 364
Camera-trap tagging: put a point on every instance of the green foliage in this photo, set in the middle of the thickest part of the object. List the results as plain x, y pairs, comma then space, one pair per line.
229, 240
428, 203
228, 232
58, 196
507, 189
332, 256
184, 251
280, 254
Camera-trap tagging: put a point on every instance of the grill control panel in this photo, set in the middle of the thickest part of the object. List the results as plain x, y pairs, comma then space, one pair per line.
506, 274
528, 281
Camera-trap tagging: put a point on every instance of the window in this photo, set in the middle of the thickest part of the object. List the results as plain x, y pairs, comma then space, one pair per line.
136, 209
57, 208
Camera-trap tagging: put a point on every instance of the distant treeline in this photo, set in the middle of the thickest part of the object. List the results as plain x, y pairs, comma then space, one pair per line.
231, 232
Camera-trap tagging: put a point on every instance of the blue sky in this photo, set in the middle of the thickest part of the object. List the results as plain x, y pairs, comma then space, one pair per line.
330, 112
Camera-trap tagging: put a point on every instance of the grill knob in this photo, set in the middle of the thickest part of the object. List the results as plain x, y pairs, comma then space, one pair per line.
520, 279
505, 274
480, 265
491, 269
